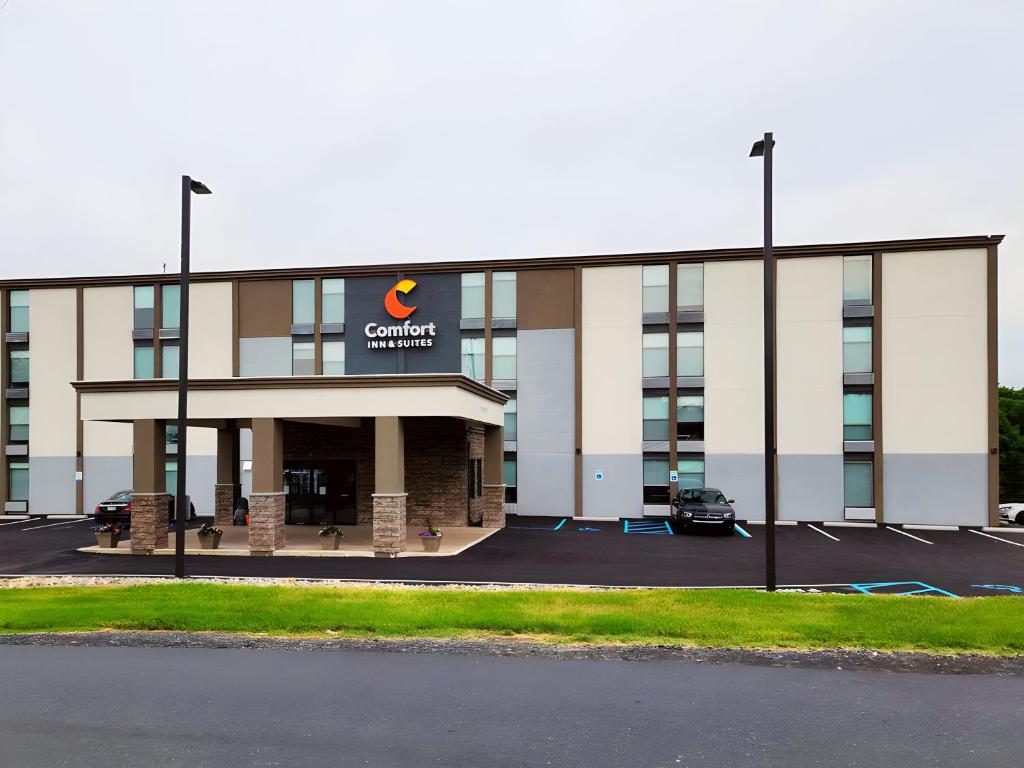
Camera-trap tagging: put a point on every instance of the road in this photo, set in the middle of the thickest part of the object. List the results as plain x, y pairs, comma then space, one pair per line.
90, 706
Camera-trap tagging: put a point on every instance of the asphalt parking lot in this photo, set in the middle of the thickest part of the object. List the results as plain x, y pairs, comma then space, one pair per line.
559, 551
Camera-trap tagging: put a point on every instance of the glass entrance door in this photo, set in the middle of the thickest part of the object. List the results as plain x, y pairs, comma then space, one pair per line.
320, 492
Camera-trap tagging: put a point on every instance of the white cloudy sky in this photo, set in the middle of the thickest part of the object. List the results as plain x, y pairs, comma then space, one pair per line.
355, 132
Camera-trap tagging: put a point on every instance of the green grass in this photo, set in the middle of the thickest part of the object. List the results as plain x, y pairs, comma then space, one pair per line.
709, 618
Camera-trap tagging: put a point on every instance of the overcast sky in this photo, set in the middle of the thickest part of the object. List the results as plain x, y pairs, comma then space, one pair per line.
362, 132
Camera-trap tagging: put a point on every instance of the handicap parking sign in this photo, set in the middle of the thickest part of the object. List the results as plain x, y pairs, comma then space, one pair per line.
599, 474
673, 476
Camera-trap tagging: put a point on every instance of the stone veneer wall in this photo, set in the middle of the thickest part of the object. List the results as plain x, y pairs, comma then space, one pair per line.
436, 471
475, 441
149, 522
224, 497
494, 506
389, 524
266, 523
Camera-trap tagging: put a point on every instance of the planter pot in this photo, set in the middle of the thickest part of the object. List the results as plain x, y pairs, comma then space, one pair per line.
330, 542
107, 540
210, 541
431, 543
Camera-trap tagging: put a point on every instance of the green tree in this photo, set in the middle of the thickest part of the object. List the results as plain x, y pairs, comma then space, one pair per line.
1011, 444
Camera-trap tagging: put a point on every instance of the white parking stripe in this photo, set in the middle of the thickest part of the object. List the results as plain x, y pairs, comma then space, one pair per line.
18, 522
897, 530
813, 528
1005, 541
51, 525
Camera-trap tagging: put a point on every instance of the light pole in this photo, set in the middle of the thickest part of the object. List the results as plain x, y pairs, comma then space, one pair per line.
763, 148
181, 502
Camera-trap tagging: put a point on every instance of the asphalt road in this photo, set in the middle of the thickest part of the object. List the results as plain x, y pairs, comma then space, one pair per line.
68, 706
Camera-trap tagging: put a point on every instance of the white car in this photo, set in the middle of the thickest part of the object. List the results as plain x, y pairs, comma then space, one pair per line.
1013, 512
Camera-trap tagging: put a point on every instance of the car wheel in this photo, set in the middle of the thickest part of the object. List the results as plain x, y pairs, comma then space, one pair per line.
1020, 518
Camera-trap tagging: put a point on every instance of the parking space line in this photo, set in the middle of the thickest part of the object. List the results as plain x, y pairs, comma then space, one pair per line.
18, 522
740, 531
989, 536
813, 528
51, 525
918, 538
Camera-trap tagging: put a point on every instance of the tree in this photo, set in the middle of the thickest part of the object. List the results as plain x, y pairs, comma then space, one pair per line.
1011, 444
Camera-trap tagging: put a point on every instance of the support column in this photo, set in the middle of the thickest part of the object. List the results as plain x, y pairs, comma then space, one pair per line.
229, 486
150, 500
266, 502
494, 477
389, 497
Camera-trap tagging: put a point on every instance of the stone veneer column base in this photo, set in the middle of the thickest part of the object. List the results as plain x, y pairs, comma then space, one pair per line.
266, 523
149, 522
494, 506
224, 497
389, 531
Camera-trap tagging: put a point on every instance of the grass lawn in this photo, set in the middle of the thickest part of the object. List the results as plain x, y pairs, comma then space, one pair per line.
706, 617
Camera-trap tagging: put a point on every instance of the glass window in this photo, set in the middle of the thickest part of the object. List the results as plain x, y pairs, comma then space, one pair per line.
511, 478
303, 363
857, 416
170, 306
504, 362
19, 312
334, 358
655, 355
17, 420
143, 361
511, 419
691, 473
303, 302
857, 349
473, 296
169, 358
690, 417
655, 280
333, 309
858, 490
656, 417
473, 357
171, 439
503, 295
17, 477
143, 307
857, 279
690, 353
690, 287
171, 476
656, 481
19, 366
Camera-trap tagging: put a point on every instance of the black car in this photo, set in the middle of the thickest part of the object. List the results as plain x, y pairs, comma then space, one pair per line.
703, 507
117, 510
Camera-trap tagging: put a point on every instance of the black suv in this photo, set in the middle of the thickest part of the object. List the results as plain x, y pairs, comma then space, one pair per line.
117, 510
705, 507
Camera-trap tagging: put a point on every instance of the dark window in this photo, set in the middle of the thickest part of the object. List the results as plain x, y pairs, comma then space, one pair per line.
510, 478
476, 478
18, 367
143, 307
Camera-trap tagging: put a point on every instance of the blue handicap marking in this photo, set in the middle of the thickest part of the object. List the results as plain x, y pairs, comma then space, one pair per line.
741, 532
589, 530
1002, 587
911, 588
537, 527
649, 527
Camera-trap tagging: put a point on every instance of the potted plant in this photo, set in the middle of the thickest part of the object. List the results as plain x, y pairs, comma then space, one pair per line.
330, 537
209, 536
107, 535
431, 538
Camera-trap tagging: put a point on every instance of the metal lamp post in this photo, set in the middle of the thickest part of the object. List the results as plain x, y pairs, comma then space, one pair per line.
188, 186
763, 148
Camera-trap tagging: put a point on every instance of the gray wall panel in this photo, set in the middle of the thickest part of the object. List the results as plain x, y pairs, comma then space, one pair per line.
51, 485
269, 356
811, 487
937, 488
621, 492
103, 475
740, 476
546, 484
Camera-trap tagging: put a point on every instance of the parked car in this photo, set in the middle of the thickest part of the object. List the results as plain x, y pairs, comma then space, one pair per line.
1012, 512
705, 507
117, 510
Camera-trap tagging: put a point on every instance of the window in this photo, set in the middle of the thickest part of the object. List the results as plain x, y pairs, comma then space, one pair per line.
144, 361
333, 309
143, 307
473, 356
656, 417
334, 358
857, 279
504, 360
857, 349
858, 484
691, 473
169, 359
18, 366
171, 476
17, 481
303, 302
473, 296
690, 417
19, 312
475, 469
690, 353
690, 287
171, 439
511, 419
510, 474
857, 416
655, 288
303, 363
655, 355
656, 481
503, 295
17, 421
170, 306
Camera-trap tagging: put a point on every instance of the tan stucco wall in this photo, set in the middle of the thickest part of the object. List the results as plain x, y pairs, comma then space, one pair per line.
934, 352
810, 355
109, 352
106, 439
52, 345
612, 379
209, 347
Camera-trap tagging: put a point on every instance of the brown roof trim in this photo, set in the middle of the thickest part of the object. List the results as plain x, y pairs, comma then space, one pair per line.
298, 382
543, 262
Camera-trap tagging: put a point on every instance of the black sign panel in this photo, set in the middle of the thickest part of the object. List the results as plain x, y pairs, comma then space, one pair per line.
399, 345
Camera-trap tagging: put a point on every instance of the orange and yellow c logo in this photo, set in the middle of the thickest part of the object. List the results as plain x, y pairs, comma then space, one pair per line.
395, 308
